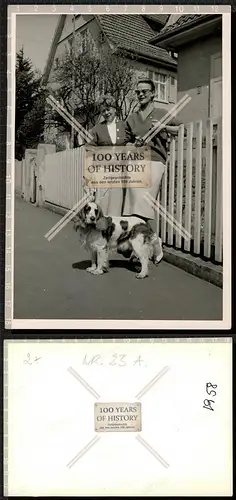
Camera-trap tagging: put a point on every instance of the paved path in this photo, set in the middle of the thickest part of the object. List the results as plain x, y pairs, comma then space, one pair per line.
51, 281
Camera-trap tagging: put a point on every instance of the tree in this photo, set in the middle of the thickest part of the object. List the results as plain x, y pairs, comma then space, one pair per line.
31, 130
30, 97
82, 74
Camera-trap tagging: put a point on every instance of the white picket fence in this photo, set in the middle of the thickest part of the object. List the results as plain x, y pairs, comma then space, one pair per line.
191, 189
63, 179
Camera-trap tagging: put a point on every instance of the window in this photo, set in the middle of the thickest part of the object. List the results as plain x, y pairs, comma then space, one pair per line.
102, 37
84, 40
160, 81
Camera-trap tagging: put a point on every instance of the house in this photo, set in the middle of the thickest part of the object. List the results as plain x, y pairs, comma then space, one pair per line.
197, 39
114, 32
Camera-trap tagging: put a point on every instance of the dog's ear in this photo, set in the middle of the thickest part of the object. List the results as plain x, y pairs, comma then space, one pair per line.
103, 223
88, 190
79, 220
100, 213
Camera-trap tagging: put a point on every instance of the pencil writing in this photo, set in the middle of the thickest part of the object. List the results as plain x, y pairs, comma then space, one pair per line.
116, 360
30, 360
207, 403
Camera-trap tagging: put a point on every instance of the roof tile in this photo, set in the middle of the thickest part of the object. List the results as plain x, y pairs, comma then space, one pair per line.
182, 21
160, 18
132, 33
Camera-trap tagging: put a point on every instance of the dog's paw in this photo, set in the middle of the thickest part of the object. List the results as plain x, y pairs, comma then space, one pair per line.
141, 275
97, 271
91, 269
158, 258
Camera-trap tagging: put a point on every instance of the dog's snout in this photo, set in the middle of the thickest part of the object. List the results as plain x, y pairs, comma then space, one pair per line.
92, 218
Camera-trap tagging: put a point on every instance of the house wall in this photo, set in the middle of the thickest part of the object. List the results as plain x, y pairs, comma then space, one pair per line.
143, 70
194, 74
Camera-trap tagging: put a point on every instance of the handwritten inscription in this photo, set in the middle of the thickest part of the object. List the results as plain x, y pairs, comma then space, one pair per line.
116, 360
31, 359
207, 403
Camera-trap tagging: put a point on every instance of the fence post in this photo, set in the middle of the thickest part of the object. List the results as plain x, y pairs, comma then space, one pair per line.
219, 197
214, 175
171, 196
208, 189
42, 151
164, 201
189, 184
198, 178
29, 155
180, 177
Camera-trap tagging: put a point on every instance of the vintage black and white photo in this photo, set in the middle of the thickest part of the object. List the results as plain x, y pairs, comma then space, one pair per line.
120, 166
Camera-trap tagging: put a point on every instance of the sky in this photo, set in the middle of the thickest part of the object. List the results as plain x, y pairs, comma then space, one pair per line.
35, 33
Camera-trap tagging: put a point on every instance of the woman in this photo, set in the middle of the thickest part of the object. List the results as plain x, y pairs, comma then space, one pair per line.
109, 132
137, 125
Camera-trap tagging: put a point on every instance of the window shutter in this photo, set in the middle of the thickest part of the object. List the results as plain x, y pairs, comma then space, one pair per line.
171, 89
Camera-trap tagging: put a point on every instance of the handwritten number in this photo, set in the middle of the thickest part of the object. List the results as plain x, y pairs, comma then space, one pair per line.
113, 362
119, 358
27, 361
211, 393
30, 361
122, 356
207, 404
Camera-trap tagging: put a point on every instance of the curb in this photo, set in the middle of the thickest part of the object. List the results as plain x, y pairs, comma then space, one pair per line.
55, 208
195, 265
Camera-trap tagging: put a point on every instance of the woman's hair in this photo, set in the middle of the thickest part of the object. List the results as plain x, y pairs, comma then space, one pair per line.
150, 82
107, 100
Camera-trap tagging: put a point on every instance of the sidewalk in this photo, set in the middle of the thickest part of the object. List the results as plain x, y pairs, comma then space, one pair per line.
50, 280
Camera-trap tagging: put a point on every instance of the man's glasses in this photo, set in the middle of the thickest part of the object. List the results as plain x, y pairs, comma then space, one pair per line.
145, 91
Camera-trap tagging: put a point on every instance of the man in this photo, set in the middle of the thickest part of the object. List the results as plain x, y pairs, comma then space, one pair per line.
137, 125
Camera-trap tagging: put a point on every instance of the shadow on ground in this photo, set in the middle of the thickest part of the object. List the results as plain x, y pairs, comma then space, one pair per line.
118, 264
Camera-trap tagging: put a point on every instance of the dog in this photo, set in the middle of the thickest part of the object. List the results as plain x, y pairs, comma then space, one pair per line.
130, 236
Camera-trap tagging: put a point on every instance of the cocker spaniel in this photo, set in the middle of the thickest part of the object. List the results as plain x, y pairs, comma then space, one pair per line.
129, 236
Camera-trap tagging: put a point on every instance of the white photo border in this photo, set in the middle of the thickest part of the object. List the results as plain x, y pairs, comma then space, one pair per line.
12, 323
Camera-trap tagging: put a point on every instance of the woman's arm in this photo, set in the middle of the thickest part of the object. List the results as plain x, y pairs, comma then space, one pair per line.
129, 136
172, 129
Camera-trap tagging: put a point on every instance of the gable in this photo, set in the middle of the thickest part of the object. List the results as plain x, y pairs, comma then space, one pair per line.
71, 24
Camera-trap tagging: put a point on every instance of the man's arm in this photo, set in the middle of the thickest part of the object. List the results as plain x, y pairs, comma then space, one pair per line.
173, 127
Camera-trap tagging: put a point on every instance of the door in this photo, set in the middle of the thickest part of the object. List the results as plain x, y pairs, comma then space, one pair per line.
216, 86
